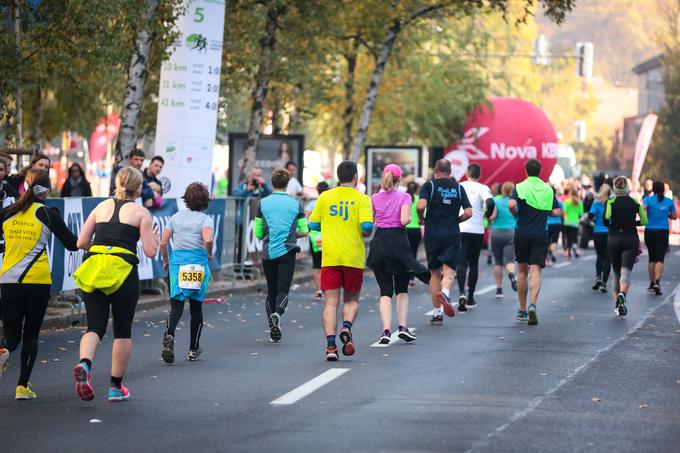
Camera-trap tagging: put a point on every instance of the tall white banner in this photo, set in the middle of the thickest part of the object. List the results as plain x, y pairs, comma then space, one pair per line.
188, 97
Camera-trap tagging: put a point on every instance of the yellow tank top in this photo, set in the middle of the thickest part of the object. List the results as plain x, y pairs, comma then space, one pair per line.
26, 240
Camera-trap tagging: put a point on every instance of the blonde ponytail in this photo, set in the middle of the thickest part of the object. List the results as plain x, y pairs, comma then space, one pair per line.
388, 181
128, 182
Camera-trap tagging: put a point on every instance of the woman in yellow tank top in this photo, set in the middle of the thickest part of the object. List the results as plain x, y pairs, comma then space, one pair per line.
25, 278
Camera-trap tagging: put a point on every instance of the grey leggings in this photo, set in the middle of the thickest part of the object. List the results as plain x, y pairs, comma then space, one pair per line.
503, 246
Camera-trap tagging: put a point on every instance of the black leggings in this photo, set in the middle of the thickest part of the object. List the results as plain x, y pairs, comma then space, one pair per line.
603, 263
571, 236
414, 235
622, 251
391, 284
279, 273
123, 304
23, 310
470, 248
176, 311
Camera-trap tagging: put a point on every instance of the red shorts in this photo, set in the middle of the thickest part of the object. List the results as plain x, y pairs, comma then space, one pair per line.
347, 278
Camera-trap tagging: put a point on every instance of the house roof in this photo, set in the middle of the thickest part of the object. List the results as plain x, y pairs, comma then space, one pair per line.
648, 65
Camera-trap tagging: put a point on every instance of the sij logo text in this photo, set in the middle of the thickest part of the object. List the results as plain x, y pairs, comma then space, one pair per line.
341, 210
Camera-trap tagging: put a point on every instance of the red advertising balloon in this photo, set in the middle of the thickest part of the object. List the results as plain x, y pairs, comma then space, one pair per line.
502, 139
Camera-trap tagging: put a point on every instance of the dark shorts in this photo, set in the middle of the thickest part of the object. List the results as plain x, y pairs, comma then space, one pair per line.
316, 259
554, 233
442, 250
347, 278
657, 244
532, 251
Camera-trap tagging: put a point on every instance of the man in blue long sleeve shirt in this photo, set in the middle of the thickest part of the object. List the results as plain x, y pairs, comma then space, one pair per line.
253, 186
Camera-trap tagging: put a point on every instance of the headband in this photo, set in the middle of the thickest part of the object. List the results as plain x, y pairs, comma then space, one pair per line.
40, 190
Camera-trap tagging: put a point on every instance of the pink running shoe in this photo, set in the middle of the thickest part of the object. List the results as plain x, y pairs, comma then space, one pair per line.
118, 394
83, 382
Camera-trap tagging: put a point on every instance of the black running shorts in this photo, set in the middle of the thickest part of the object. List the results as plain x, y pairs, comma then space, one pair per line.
657, 244
532, 251
554, 233
442, 250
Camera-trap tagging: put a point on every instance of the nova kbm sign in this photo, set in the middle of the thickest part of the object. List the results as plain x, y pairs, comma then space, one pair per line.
502, 138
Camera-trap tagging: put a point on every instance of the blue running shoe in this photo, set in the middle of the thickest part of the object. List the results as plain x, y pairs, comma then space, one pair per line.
522, 316
118, 394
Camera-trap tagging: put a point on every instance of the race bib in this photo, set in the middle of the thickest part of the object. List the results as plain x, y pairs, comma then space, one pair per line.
191, 276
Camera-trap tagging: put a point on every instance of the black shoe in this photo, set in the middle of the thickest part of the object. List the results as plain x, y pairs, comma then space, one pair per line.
385, 337
576, 254
168, 353
621, 309
513, 281
194, 354
406, 335
471, 303
462, 301
275, 329
651, 287
603, 287
488, 260
553, 258
657, 289
597, 285
437, 320
499, 293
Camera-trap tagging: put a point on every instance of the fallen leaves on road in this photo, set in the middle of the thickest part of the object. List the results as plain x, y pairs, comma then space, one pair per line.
95, 420
596, 399
643, 406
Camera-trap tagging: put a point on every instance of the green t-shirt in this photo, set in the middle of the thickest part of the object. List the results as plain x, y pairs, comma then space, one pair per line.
414, 214
572, 212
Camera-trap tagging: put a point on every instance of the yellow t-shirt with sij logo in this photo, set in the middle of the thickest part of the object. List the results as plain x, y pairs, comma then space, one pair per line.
341, 211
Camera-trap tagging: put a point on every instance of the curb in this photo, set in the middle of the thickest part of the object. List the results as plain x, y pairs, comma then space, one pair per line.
63, 321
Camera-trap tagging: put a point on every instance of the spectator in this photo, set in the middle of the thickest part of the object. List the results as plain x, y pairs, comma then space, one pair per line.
135, 160
158, 195
153, 170
253, 186
6, 188
76, 185
294, 188
39, 162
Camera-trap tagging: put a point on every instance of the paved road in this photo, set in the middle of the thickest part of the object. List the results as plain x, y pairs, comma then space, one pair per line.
582, 380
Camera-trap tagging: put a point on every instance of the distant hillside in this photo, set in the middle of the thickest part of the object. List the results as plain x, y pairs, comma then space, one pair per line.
623, 32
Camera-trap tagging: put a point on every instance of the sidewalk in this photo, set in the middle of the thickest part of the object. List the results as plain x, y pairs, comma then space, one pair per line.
61, 318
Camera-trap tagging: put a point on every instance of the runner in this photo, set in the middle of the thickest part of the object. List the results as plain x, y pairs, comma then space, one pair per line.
191, 232
25, 278
443, 198
600, 234
109, 278
279, 222
532, 202
573, 210
623, 242
413, 229
555, 227
659, 209
315, 245
503, 239
472, 235
390, 256
343, 215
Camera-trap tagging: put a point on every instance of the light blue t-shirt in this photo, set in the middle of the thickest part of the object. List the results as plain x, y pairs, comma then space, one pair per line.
279, 213
658, 212
598, 209
556, 220
504, 218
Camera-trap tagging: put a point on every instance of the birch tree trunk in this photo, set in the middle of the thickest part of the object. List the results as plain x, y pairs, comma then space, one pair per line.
348, 114
19, 114
264, 72
372, 91
137, 75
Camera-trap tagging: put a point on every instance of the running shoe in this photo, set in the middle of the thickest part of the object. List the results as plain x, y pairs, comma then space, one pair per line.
118, 394
651, 287
522, 316
657, 289
462, 301
548, 263
446, 304
318, 295
471, 302
489, 260
553, 258
275, 330
346, 339
412, 283
597, 284
406, 334
194, 354
513, 281
499, 293
25, 393
603, 287
437, 320
83, 382
332, 353
576, 253
168, 353
4, 356
531, 312
621, 309
385, 337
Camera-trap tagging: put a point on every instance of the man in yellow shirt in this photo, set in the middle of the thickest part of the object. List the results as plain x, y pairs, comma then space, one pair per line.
344, 216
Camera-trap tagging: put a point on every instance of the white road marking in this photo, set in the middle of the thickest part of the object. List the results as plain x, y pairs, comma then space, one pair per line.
676, 302
537, 401
308, 387
677, 253
562, 264
393, 338
589, 257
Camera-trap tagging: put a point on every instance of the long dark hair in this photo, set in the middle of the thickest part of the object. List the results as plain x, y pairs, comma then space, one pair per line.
33, 178
659, 189
37, 158
82, 173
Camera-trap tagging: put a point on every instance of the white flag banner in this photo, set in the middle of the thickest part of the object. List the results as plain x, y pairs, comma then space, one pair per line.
188, 97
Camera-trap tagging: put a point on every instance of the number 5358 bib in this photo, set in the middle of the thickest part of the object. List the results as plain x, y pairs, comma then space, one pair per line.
191, 276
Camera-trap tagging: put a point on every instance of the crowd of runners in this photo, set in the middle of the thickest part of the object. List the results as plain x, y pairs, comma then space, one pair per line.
520, 224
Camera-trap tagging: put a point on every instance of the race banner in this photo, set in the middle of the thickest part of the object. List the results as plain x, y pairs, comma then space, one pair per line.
188, 97
63, 263
641, 146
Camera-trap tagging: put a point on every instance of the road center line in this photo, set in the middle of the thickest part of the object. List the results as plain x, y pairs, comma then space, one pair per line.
393, 338
562, 264
308, 387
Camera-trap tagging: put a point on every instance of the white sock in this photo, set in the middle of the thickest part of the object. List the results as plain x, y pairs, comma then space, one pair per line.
445, 291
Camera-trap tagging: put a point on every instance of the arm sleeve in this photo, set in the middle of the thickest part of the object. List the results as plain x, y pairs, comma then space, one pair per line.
608, 213
240, 191
208, 222
425, 192
365, 210
301, 221
464, 202
407, 200
316, 215
58, 227
672, 210
147, 193
258, 228
643, 215
266, 190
